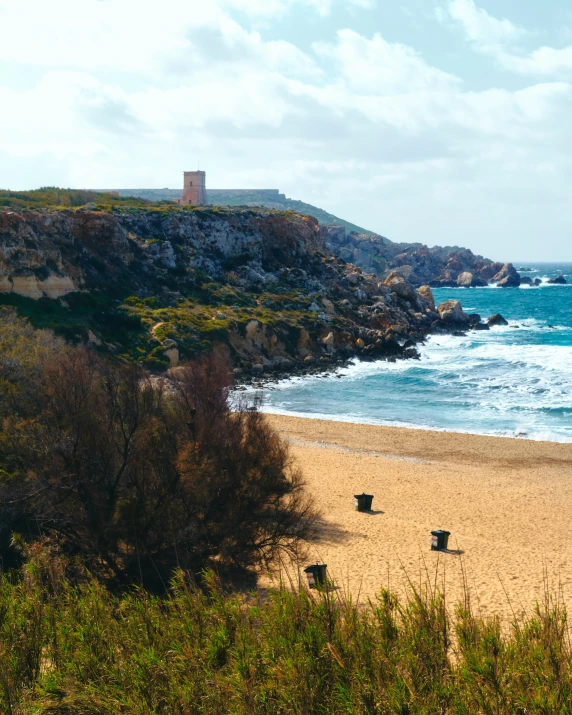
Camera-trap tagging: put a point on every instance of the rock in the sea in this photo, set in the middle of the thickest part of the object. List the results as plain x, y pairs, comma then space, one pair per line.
507, 277
537, 282
451, 311
497, 319
525, 281
559, 280
481, 326
469, 280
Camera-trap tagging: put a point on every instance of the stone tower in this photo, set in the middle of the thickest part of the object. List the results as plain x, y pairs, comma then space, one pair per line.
194, 189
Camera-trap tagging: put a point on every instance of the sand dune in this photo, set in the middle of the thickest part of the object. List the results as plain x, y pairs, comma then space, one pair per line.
506, 502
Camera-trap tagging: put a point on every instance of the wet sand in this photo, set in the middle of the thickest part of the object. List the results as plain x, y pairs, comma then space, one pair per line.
506, 502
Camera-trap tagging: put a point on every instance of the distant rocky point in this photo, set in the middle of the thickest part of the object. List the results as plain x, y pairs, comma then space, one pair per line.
438, 267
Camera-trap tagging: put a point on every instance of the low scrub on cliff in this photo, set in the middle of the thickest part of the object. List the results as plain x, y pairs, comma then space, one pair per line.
78, 649
134, 476
54, 197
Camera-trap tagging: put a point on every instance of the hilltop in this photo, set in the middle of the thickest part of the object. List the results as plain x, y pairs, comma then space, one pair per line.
261, 198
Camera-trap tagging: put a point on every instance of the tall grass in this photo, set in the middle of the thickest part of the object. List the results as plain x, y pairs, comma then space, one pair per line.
78, 649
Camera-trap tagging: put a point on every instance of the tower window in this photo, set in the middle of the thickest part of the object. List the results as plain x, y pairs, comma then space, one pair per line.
190, 183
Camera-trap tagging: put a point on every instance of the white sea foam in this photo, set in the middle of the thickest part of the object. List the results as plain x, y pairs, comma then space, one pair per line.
513, 380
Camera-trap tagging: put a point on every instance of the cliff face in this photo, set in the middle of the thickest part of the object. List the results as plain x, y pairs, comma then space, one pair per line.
162, 285
437, 266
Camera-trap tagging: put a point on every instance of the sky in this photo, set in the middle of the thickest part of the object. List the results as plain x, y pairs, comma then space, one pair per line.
440, 121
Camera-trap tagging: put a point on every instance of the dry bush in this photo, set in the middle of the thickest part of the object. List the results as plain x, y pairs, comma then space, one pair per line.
138, 477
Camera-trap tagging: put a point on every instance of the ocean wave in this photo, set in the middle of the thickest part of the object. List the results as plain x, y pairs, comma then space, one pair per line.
510, 381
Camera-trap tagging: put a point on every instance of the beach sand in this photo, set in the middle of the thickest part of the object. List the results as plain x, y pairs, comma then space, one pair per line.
506, 502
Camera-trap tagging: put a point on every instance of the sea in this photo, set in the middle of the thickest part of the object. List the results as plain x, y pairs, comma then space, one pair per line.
513, 381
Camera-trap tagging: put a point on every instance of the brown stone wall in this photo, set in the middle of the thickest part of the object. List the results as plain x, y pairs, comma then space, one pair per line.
194, 188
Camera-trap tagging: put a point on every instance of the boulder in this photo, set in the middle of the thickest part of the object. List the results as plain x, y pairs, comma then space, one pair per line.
173, 356
427, 294
328, 305
559, 280
537, 282
397, 283
525, 281
507, 277
451, 311
469, 280
497, 319
481, 326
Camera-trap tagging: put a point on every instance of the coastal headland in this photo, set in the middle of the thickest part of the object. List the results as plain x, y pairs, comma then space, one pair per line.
506, 502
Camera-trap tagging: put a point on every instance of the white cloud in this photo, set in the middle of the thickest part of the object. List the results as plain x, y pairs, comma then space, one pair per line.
379, 67
543, 61
481, 27
497, 38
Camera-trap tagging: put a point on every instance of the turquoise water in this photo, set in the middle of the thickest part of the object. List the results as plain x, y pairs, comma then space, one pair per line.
514, 381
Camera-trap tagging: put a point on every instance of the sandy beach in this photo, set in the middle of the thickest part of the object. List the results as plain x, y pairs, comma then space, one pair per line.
506, 502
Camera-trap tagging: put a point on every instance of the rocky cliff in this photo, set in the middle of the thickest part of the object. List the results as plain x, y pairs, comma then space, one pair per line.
161, 285
438, 266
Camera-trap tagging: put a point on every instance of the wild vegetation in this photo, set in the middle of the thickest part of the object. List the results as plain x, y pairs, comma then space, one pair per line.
79, 649
137, 477
54, 197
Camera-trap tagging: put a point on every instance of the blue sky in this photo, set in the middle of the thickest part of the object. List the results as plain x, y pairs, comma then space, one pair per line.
444, 122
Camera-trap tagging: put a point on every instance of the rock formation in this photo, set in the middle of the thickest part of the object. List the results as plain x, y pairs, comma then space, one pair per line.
420, 265
497, 319
160, 286
507, 277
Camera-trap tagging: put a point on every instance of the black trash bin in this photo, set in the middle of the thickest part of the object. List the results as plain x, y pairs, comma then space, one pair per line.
439, 540
316, 575
363, 502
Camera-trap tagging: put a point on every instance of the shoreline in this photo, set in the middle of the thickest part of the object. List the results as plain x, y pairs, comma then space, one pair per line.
507, 503
522, 437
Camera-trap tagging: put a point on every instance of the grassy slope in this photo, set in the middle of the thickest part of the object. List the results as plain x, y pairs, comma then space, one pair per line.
81, 650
